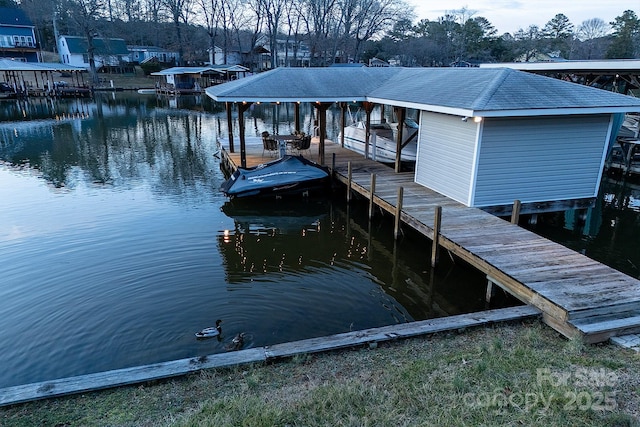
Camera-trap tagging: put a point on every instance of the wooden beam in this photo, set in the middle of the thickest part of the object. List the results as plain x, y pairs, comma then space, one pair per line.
343, 121
515, 213
398, 221
322, 113
243, 146
296, 116
228, 107
401, 112
368, 108
435, 247
372, 195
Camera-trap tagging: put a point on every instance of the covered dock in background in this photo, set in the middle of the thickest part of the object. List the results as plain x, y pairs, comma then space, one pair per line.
39, 78
176, 80
615, 75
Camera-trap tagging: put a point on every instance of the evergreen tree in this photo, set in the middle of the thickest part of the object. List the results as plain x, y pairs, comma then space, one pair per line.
626, 36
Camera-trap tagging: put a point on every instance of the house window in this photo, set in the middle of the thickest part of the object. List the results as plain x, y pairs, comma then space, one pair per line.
85, 58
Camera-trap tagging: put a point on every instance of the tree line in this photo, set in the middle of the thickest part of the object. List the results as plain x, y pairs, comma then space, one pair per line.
332, 30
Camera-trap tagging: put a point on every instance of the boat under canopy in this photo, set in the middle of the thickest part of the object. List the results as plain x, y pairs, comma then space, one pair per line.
288, 175
382, 140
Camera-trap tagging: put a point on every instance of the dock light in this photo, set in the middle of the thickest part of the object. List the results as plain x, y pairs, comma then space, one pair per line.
477, 119
258, 102
464, 119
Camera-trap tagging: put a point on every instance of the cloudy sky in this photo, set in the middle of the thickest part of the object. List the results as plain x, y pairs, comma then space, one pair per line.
511, 15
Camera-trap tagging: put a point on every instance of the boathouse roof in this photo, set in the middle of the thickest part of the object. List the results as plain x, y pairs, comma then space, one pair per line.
488, 92
102, 46
11, 65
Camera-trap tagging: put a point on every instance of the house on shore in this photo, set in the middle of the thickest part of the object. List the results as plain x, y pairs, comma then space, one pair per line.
143, 54
487, 137
109, 54
17, 36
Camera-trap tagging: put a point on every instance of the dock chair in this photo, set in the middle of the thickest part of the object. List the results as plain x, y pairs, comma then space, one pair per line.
269, 145
304, 144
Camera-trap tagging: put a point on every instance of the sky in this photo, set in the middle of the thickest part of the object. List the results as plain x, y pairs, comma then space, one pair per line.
511, 15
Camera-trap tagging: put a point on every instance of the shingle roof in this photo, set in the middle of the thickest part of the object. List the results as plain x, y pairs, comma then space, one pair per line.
14, 16
463, 91
10, 65
79, 45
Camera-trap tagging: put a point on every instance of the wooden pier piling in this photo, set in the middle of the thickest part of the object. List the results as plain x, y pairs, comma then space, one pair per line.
372, 192
398, 221
435, 246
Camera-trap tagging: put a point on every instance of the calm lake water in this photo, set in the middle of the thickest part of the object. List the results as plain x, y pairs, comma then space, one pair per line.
116, 245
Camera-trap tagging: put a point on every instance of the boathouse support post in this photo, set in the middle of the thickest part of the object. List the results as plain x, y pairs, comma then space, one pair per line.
243, 145
322, 113
229, 106
371, 195
343, 120
401, 112
515, 213
435, 245
333, 168
396, 228
349, 178
296, 116
368, 108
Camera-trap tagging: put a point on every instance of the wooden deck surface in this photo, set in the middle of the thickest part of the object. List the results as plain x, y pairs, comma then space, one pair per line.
578, 296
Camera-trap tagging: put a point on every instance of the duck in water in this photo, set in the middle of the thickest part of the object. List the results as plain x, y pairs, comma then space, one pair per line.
236, 343
210, 332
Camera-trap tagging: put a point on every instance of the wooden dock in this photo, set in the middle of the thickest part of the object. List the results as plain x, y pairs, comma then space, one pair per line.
579, 297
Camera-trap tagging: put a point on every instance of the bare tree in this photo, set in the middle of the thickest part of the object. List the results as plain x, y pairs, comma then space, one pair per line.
318, 17
589, 32
294, 23
85, 14
273, 11
180, 11
212, 11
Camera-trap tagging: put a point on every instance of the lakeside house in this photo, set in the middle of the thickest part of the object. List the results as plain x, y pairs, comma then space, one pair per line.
17, 36
143, 54
487, 136
110, 53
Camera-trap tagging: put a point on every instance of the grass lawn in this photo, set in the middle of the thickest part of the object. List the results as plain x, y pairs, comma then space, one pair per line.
510, 374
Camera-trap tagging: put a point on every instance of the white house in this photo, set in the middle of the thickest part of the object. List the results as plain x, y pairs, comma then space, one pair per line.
74, 50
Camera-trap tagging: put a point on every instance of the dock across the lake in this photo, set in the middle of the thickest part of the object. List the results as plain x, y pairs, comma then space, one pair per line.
579, 297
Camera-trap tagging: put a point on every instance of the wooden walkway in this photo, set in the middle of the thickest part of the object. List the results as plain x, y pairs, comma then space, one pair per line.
578, 296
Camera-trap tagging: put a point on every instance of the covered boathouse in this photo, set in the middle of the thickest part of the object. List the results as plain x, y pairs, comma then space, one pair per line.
486, 137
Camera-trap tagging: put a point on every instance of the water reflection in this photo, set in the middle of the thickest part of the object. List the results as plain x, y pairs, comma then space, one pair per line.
607, 232
110, 141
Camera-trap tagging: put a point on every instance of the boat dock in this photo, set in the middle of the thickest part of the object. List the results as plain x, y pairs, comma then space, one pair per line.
579, 297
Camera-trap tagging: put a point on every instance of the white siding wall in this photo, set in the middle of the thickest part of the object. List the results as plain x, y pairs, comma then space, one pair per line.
446, 154
540, 159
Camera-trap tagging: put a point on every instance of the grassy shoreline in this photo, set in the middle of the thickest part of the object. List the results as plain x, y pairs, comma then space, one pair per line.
510, 374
